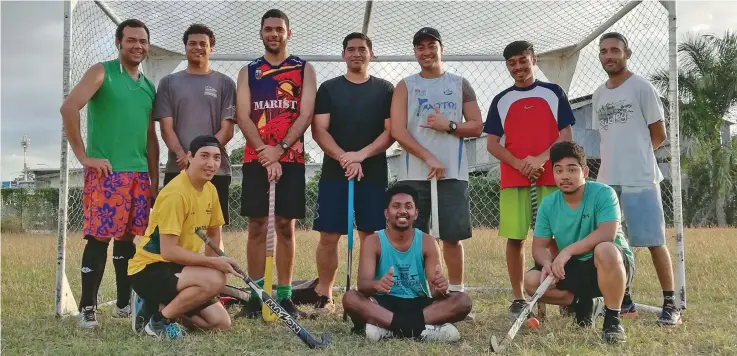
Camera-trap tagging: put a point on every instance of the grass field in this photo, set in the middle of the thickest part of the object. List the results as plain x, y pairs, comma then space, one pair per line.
29, 326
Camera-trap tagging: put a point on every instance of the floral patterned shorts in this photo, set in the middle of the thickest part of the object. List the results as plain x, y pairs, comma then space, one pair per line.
116, 204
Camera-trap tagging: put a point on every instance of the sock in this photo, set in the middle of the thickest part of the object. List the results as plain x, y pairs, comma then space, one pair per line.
259, 283
611, 317
409, 325
122, 252
456, 288
94, 258
669, 298
627, 300
283, 292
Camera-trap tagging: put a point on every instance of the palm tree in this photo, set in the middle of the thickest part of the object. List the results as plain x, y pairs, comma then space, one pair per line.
707, 82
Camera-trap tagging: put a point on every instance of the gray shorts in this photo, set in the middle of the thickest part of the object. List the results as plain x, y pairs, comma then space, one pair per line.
454, 208
643, 220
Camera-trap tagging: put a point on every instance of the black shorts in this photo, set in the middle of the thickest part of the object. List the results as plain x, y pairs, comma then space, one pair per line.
222, 185
332, 206
157, 284
290, 191
406, 306
454, 208
581, 276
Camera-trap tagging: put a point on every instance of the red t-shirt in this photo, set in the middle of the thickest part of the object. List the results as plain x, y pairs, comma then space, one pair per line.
531, 118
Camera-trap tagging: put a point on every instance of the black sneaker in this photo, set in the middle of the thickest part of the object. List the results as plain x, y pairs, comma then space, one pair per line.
164, 330
516, 308
628, 310
614, 334
251, 310
290, 308
87, 318
670, 316
586, 310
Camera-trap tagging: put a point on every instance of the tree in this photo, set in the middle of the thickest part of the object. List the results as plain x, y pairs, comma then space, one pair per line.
707, 82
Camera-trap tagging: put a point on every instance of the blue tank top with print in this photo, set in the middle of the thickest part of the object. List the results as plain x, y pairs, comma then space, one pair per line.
409, 267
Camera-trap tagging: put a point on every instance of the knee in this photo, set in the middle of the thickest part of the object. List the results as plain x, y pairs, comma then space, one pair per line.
351, 299
329, 241
532, 281
257, 229
224, 323
215, 282
607, 254
284, 227
462, 303
452, 244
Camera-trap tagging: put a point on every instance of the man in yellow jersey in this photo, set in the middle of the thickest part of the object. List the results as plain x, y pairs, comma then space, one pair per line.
167, 271
121, 163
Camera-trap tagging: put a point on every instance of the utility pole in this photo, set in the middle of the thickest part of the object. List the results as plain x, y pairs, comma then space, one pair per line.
25, 142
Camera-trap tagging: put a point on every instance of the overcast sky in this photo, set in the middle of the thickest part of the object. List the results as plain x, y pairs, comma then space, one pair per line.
31, 74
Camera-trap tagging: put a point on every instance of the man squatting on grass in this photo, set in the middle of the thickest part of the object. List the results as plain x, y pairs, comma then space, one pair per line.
594, 259
167, 271
395, 266
351, 125
121, 163
628, 114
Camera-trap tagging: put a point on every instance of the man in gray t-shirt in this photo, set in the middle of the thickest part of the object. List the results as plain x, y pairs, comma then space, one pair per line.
628, 114
193, 102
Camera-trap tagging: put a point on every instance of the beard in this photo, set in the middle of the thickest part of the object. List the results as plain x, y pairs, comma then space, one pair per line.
273, 50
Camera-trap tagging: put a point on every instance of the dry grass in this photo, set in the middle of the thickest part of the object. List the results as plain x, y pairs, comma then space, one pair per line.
29, 326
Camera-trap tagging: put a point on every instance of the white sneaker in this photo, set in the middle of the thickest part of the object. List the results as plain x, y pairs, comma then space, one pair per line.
598, 308
375, 333
446, 333
121, 312
86, 319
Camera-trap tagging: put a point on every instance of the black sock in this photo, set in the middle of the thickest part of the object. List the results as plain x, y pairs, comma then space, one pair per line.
409, 325
94, 258
669, 298
611, 317
627, 300
122, 252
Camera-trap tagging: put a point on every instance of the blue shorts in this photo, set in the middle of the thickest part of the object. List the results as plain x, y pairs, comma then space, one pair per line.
332, 206
643, 220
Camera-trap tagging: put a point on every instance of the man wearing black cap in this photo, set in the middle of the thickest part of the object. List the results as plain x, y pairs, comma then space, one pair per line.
167, 271
427, 115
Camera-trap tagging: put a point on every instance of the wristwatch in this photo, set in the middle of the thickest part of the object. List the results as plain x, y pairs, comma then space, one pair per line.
284, 146
453, 127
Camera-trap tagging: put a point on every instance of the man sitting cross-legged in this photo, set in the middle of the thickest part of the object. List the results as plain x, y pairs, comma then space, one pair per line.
594, 259
167, 272
397, 266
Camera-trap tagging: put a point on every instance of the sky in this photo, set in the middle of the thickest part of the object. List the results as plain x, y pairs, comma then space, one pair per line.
31, 74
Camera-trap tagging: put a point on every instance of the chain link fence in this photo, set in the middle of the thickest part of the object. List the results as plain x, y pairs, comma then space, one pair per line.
486, 30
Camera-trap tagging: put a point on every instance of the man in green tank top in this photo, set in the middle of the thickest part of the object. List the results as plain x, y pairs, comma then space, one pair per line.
401, 288
120, 163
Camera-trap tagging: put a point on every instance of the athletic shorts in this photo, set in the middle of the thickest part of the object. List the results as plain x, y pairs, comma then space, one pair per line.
222, 185
157, 284
454, 208
332, 206
582, 279
290, 197
115, 205
406, 306
515, 210
643, 220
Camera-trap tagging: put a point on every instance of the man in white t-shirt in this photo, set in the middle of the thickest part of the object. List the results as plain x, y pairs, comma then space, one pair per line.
628, 114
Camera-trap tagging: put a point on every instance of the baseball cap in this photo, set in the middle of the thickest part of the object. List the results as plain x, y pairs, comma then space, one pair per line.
427, 32
203, 141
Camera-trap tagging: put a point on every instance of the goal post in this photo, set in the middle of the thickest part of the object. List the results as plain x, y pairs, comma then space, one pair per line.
565, 37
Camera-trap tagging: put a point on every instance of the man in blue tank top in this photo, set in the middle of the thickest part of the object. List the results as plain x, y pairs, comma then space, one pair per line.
594, 258
401, 288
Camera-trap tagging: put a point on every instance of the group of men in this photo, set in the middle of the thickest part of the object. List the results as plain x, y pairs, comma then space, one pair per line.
355, 118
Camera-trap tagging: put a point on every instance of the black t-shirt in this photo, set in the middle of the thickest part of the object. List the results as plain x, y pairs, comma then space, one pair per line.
357, 114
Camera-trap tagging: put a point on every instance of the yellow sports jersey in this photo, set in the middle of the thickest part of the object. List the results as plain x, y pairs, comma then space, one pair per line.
179, 210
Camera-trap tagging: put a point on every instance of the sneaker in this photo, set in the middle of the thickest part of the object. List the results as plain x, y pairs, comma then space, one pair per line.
375, 333
586, 310
290, 308
670, 316
121, 313
515, 308
161, 329
139, 313
324, 306
251, 310
87, 318
470, 317
628, 311
614, 334
445, 333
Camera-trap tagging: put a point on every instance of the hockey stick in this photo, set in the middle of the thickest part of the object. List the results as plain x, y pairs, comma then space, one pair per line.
269, 268
435, 224
541, 307
350, 240
495, 345
287, 319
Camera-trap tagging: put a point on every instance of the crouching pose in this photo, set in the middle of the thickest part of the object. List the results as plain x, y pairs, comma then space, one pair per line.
594, 259
397, 268
172, 281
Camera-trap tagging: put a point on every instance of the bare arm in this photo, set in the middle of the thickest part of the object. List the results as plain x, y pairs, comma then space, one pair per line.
368, 257
399, 124
540, 252
565, 135
307, 106
215, 234
605, 232
152, 148
323, 138
75, 101
381, 143
431, 252
172, 252
500, 152
243, 111
225, 134
657, 133
170, 137
472, 126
